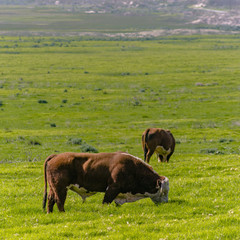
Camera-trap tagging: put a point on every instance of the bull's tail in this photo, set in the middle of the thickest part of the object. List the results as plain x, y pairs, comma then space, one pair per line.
144, 144
45, 180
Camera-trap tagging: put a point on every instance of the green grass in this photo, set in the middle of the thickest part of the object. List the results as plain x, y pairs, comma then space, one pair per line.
202, 205
106, 93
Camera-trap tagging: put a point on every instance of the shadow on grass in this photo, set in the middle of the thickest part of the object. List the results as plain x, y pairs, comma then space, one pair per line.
177, 201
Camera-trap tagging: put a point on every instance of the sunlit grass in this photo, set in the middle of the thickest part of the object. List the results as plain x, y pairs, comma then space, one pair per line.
106, 93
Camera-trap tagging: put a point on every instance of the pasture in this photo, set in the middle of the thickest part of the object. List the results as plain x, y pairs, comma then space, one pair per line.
67, 94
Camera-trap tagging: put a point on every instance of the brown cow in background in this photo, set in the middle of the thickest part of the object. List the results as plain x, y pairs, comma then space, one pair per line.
159, 141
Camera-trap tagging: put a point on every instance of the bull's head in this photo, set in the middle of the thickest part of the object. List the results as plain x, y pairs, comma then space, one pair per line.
162, 187
162, 193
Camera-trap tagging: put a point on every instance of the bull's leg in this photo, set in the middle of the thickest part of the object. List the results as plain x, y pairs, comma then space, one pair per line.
145, 155
159, 157
111, 193
51, 201
149, 154
145, 149
168, 156
61, 197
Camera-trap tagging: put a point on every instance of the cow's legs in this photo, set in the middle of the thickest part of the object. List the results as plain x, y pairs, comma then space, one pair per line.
145, 154
51, 201
149, 154
168, 156
61, 197
159, 157
111, 193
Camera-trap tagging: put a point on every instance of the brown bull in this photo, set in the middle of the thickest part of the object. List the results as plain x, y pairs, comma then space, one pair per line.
159, 141
121, 176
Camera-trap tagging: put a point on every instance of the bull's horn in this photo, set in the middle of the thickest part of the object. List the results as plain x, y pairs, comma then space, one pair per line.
158, 184
169, 150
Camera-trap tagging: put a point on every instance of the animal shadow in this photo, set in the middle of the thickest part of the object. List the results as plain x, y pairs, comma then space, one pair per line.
177, 201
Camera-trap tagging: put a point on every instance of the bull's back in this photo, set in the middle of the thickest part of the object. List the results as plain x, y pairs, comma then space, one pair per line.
102, 171
96, 172
89, 170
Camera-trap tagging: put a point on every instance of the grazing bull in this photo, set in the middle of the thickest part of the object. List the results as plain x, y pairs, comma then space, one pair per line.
159, 141
123, 178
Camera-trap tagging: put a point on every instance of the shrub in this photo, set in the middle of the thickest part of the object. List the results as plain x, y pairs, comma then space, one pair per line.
84, 147
42, 101
211, 151
34, 142
88, 148
21, 138
136, 102
224, 140
75, 141
125, 73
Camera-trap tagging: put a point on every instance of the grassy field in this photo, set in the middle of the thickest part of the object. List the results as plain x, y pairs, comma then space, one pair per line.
57, 92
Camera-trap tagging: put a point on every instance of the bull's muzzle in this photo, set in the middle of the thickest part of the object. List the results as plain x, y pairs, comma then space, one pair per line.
161, 196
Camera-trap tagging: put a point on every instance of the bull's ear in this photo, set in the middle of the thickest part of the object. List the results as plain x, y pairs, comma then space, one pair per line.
158, 184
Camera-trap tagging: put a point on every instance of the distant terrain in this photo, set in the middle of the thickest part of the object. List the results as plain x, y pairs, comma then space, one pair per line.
122, 18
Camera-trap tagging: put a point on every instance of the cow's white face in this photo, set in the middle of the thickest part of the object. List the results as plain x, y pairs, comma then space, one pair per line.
161, 151
160, 196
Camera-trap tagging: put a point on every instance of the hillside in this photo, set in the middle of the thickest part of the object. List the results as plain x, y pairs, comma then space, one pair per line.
123, 4
164, 17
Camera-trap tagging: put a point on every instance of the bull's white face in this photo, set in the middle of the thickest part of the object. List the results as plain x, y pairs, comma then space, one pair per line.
160, 196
